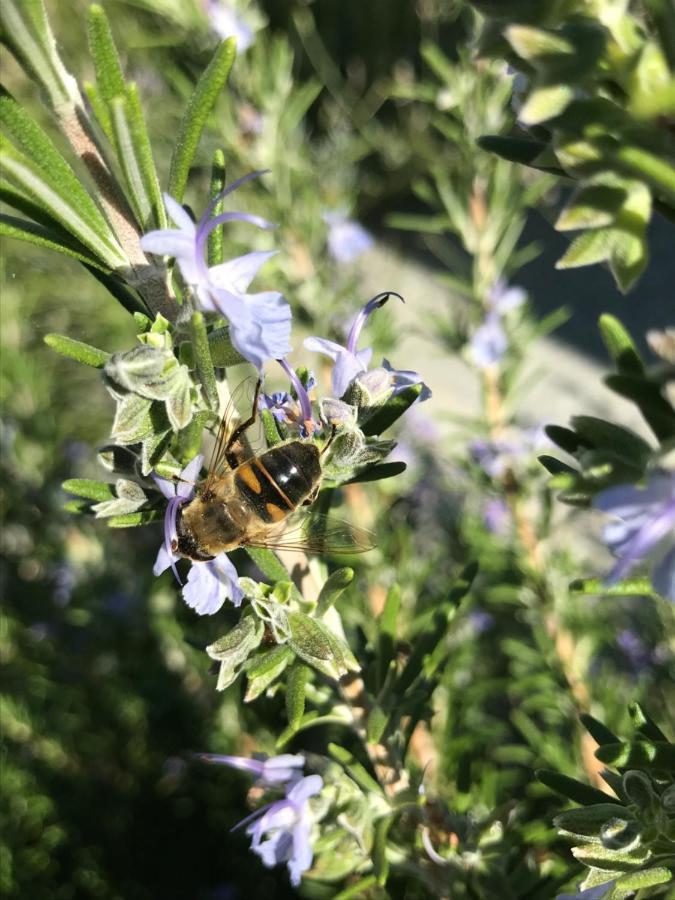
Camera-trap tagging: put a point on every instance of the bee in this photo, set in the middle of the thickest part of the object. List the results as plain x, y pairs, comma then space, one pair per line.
248, 501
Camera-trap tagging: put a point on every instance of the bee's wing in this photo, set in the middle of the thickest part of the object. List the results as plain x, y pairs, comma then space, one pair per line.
317, 533
239, 408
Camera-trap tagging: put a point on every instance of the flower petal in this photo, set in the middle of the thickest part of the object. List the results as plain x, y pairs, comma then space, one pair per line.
168, 488
305, 788
179, 216
663, 576
204, 591
346, 368
186, 486
321, 345
164, 560
236, 274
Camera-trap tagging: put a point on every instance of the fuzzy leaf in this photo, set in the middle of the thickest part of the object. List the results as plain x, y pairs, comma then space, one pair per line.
587, 821
620, 346
203, 361
389, 412
49, 238
603, 858
638, 754
586, 249
546, 103
131, 520
266, 669
646, 878
378, 472
134, 154
351, 765
223, 353
571, 788
295, 693
655, 409
91, 490
82, 353
536, 45
216, 247
318, 647
624, 443
386, 639
594, 206
333, 587
644, 724
629, 587
232, 649
109, 75
197, 112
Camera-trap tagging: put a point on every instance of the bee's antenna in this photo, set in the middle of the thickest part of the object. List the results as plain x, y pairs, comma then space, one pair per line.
329, 441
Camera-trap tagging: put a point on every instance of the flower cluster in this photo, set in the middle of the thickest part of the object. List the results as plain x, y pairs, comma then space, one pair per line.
281, 831
260, 324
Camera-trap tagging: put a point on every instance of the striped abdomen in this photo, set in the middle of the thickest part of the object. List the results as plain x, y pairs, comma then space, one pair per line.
279, 480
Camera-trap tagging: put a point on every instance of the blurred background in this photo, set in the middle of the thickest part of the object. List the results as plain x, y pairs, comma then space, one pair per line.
368, 112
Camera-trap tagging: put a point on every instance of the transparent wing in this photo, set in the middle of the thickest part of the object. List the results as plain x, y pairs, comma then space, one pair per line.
239, 409
317, 533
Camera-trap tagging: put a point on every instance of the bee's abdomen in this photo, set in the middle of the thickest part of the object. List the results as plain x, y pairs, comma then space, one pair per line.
278, 481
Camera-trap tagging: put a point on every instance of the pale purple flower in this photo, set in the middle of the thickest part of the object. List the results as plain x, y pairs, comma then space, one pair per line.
286, 409
347, 240
481, 621
496, 516
351, 363
281, 831
494, 457
490, 342
227, 22
260, 324
211, 583
268, 770
644, 525
637, 652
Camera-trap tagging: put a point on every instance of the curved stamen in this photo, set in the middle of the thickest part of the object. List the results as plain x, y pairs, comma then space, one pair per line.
171, 532
361, 319
302, 395
228, 190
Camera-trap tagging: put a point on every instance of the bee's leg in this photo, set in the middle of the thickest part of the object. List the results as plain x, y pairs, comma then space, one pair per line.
330, 440
230, 455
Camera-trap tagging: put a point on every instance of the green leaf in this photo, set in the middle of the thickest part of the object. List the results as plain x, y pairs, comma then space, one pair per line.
194, 119
385, 415
67, 207
544, 103
600, 857
109, 75
555, 466
637, 587
311, 720
620, 345
587, 821
203, 361
537, 46
319, 647
295, 693
624, 443
91, 490
644, 723
215, 246
638, 754
599, 732
223, 353
646, 878
358, 889
571, 788
131, 520
265, 669
588, 248
655, 409
527, 151
134, 155
376, 724
272, 435
332, 589
46, 159
594, 206
354, 768
82, 353
26, 30
386, 639
268, 564
232, 650
49, 238
378, 472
